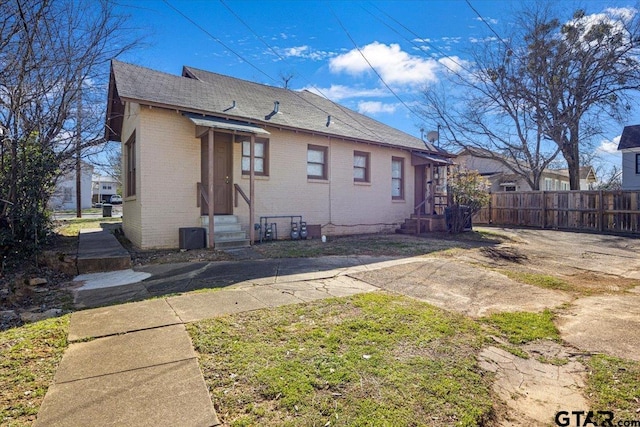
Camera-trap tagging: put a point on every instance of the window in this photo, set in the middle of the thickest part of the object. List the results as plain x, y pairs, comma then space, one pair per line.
397, 178
361, 167
564, 185
130, 173
509, 188
548, 184
106, 187
637, 164
66, 196
260, 157
316, 162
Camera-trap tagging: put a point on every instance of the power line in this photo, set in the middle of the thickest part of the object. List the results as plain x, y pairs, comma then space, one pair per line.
364, 129
217, 40
487, 24
268, 46
371, 66
431, 45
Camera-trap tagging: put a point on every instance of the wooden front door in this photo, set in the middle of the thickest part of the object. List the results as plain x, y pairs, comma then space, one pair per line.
222, 173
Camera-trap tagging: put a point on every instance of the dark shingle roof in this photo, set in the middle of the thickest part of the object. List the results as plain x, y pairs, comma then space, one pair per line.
630, 137
214, 94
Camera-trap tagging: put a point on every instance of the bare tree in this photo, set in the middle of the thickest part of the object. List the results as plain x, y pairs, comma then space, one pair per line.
588, 67
543, 91
286, 78
51, 53
611, 180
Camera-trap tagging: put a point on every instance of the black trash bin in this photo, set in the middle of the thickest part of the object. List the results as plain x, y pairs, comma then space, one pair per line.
106, 210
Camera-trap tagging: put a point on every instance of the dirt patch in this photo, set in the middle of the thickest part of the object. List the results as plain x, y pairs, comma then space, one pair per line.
589, 282
172, 256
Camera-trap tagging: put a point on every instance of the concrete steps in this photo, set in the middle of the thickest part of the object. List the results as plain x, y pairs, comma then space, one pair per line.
227, 231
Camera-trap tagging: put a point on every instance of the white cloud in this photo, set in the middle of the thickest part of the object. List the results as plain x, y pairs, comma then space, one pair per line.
376, 107
483, 40
394, 65
616, 17
339, 92
609, 147
491, 21
454, 63
304, 52
624, 13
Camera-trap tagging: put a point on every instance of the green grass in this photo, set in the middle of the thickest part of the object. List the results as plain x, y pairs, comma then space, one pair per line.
29, 356
614, 385
523, 327
72, 227
540, 280
367, 360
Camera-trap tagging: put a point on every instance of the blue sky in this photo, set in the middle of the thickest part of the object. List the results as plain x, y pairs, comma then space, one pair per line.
409, 43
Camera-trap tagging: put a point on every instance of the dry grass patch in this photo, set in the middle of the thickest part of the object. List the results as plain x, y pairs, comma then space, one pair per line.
364, 360
29, 356
396, 245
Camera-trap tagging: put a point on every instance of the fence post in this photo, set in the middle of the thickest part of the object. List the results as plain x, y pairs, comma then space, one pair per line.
490, 208
544, 210
600, 210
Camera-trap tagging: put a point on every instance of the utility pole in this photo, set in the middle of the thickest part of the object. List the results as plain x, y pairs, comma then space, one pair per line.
78, 144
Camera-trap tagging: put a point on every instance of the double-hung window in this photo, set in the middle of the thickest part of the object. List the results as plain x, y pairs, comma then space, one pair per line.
317, 162
637, 164
260, 157
130, 150
361, 167
397, 178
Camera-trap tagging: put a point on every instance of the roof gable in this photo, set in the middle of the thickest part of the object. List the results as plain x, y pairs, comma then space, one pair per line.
212, 94
630, 137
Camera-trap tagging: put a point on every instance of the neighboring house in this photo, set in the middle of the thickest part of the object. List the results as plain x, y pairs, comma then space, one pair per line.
588, 177
194, 134
103, 188
501, 178
64, 196
630, 147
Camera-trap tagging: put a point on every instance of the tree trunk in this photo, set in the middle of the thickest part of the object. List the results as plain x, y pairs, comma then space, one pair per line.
573, 160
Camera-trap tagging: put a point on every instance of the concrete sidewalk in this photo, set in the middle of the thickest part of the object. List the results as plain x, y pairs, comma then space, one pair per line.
134, 364
99, 250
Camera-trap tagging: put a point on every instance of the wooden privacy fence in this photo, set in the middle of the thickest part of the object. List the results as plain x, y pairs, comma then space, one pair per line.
601, 211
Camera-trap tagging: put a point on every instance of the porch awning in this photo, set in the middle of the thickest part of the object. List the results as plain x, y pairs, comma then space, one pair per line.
418, 159
218, 123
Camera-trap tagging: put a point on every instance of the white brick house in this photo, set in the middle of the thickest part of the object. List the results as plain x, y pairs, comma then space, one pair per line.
312, 158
